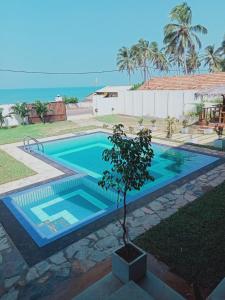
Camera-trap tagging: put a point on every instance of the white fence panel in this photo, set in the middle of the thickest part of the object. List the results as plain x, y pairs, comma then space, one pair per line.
159, 104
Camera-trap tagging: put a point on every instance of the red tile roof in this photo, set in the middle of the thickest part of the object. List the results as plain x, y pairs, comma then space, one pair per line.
187, 82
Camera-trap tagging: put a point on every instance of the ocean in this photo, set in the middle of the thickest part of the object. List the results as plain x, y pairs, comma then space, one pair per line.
29, 95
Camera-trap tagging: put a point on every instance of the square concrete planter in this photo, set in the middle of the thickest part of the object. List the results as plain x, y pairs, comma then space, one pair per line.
193, 140
132, 270
207, 130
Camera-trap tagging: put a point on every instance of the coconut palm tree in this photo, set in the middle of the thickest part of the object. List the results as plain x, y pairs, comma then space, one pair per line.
22, 110
221, 49
158, 57
125, 61
212, 59
223, 65
193, 61
141, 56
176, 60
181, 36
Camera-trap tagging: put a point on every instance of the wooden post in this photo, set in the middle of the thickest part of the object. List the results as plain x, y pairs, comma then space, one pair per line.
223, 96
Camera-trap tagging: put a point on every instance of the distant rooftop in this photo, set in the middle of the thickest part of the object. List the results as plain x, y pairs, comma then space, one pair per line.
187, 82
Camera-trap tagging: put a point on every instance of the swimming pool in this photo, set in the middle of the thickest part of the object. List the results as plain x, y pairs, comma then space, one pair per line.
53, 210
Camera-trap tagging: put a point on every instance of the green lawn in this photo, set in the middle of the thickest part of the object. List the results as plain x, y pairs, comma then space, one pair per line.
192, 241
12, 135
11, 169
132, 121
126, 120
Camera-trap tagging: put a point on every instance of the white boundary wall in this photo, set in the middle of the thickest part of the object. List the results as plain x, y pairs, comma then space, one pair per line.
159, 104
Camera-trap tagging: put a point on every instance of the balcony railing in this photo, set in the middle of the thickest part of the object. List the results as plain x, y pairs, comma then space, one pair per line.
213, 114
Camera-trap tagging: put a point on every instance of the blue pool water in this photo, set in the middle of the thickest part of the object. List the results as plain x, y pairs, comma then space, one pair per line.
53, 210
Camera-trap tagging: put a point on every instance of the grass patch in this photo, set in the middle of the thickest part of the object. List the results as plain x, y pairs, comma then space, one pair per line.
11, 169
126, 120
132, 121
192, 241
16, 134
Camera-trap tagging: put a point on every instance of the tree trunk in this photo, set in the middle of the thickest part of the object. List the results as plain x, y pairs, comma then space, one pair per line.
185, 63
223, 99
124, 218
129, 76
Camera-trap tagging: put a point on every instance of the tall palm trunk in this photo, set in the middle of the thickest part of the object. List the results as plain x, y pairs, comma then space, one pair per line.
185, 62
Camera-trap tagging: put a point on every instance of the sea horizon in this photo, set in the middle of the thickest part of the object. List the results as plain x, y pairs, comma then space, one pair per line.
14, 95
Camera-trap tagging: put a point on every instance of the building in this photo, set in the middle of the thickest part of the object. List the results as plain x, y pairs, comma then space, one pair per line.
194, 82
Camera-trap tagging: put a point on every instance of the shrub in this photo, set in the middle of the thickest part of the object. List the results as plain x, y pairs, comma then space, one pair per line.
105, 126
136, 86
70, 100
41, 109
22, 110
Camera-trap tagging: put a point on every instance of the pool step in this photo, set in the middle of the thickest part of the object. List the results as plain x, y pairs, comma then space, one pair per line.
66, 215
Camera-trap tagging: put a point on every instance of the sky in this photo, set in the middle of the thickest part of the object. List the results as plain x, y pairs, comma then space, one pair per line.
85, 35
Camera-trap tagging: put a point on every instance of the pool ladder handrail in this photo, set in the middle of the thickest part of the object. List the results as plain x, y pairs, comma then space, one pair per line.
27, 145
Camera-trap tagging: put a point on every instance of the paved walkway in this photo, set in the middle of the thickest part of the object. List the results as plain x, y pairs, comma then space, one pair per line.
198, 138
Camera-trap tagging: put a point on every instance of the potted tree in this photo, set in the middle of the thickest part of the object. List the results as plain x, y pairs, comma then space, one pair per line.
219, 143
131, 129
140, 123
130, 160
185, 128
153, 127
171, 124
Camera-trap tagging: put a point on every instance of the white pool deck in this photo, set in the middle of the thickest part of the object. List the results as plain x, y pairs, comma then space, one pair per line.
43, 170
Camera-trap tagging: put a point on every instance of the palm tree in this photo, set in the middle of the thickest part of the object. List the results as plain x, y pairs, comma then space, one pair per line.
176, 60
221, 49
141, 56
212, 58
158, 57
22, 110
125, 61
41, 109
223, 65
3, 117
182, 36
193, 61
